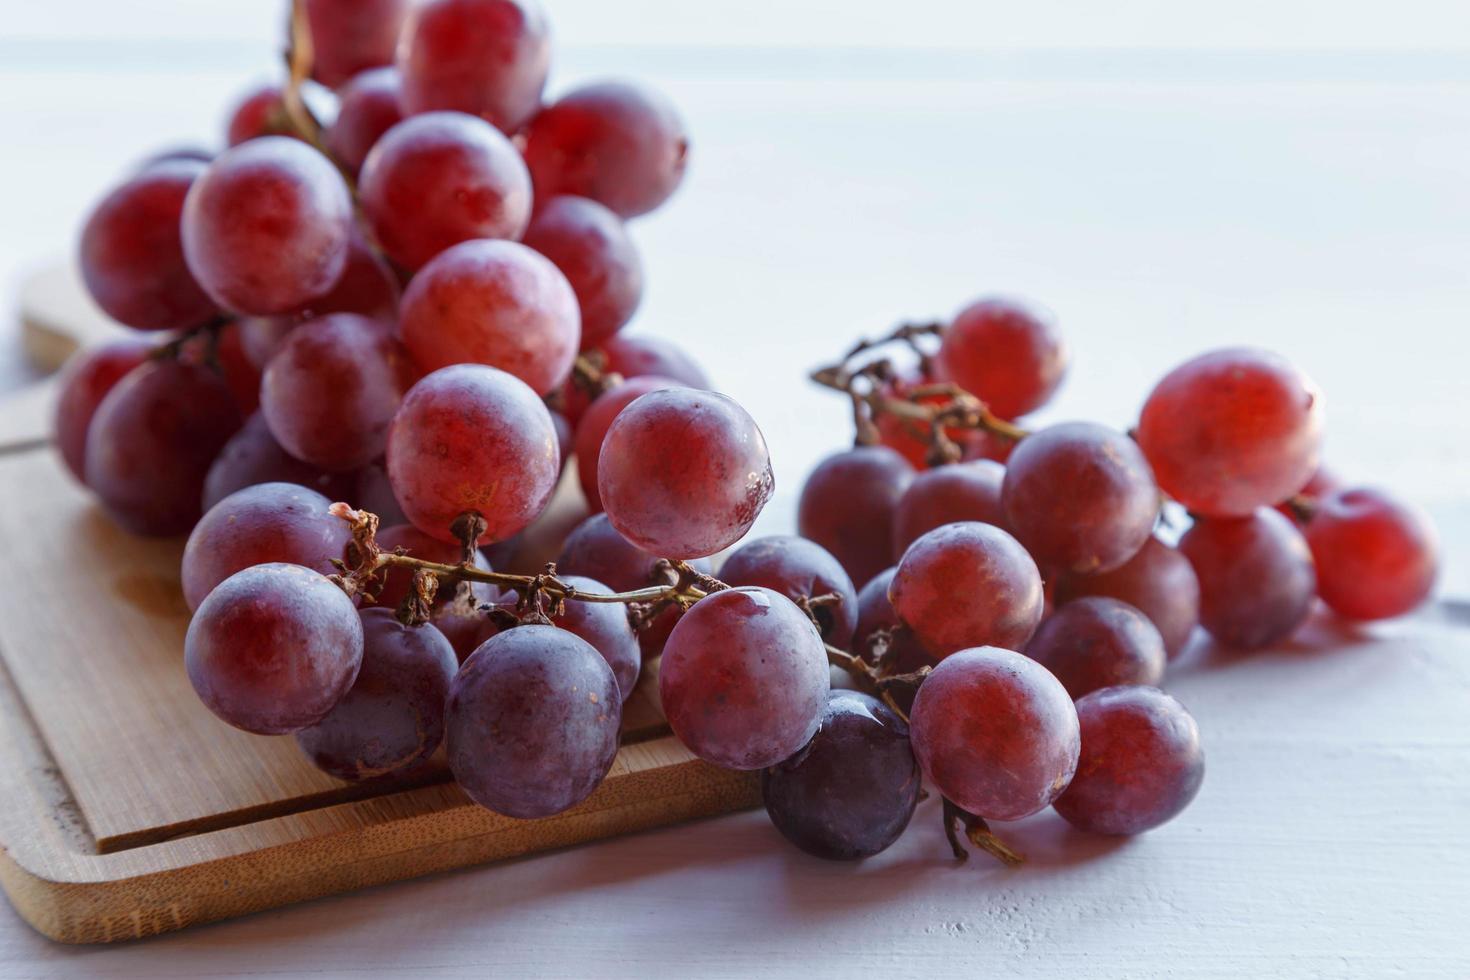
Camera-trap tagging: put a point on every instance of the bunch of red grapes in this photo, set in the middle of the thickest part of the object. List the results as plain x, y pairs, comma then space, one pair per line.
416, 308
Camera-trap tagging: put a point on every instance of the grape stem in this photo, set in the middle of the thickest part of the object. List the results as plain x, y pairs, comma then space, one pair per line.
590, 374
1302, 507
977, 832
880, 684
300, 53
691, 585
929, 411
548, 581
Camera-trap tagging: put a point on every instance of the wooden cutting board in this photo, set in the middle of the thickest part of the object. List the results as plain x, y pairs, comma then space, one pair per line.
127, 809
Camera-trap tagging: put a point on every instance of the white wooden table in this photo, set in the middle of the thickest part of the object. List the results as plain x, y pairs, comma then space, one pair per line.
1159, 204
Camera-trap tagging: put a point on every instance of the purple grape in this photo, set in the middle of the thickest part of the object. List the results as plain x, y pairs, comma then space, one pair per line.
847, 507
798, 569
393, 715
602, 624
273, 648
532, 722
851, 791
1158, 581
152, 441
85, 380
252, 456
597, 551
744, 678
1096, 642
269, 522
948, 495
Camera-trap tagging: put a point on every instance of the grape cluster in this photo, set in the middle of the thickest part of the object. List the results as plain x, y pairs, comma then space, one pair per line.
367, 349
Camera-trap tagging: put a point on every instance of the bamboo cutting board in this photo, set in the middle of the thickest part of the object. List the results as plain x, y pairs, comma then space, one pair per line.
127, 809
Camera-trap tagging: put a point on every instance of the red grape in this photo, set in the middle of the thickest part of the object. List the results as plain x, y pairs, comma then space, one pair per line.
485, 57
851, 792
593, 426
259, 113
847, 507
967, 585
348, 36
269, 522
273, 648
471, 438
995, 733
744, 678
331, 390
589, 244
798, 569
1158, 581
367, 287
393, 715
1256, 577
1096, 642
1376, 556
151, 444
618, 144
266, 227
533, 722
603, 624
634, 355
495, 303
684, 473
132, 257
1232, 430
1008, 356
253, 456
875, 612
595, 550
945, 495
1323, 482
1080, 497
368, 106
1141, 762
439, 179
85, 380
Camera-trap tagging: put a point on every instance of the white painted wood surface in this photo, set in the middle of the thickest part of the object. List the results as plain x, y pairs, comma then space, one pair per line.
1159, 204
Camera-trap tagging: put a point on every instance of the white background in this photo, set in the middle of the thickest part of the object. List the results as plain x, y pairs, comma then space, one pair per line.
1287, 24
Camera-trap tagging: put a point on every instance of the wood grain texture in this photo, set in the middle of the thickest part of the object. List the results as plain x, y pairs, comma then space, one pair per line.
144, 813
